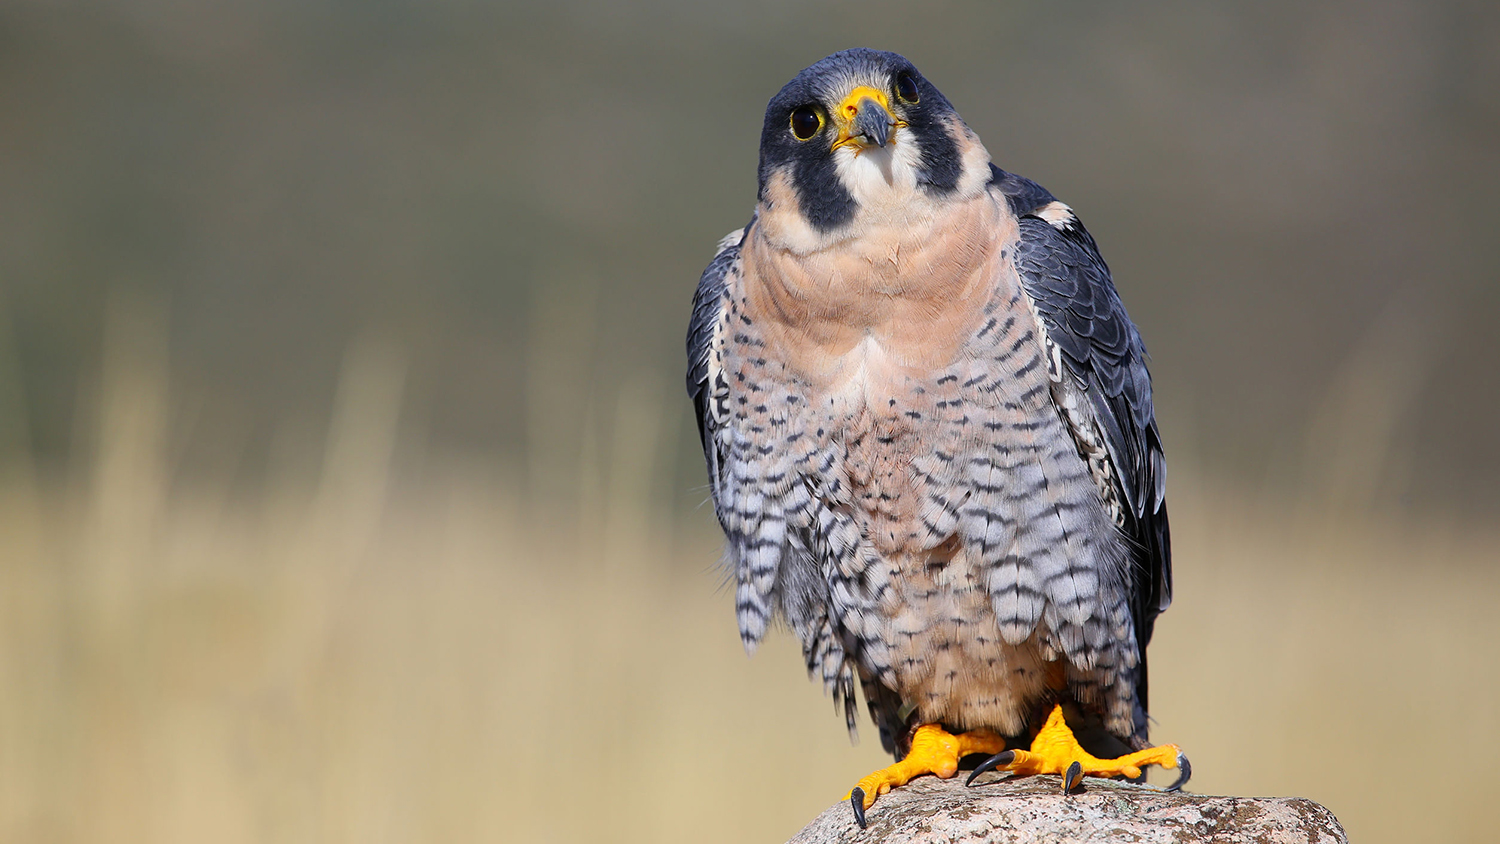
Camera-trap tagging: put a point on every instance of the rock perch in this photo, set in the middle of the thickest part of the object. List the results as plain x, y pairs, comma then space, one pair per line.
1032, 810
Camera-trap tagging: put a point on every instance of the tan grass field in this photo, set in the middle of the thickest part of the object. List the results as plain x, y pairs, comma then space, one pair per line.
361, 656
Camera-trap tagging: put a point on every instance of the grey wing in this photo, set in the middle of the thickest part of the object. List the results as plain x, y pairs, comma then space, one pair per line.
706, 383
753, 521
768, 520
1101, 351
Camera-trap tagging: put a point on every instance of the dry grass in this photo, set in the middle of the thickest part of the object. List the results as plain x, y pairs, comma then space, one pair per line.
352, 659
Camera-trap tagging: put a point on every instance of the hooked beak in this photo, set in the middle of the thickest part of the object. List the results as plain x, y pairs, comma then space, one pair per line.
865, 120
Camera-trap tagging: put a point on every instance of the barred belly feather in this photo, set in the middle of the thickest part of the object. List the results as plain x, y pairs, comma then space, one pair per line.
932, 530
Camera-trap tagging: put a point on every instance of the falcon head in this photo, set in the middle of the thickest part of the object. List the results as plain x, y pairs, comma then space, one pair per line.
861, 138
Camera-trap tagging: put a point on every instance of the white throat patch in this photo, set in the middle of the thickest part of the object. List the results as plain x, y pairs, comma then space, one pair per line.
880, 178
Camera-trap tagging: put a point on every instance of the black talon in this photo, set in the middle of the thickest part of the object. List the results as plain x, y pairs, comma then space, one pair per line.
1073, 777
1004, 757
1186, 772
857, 801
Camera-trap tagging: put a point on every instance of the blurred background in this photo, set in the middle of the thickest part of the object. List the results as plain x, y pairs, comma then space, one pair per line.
348, 490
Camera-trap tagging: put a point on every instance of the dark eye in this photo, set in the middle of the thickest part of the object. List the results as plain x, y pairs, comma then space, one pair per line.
806, 121
906, 89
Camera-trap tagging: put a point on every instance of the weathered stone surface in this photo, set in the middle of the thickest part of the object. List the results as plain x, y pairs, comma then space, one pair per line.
1031, 809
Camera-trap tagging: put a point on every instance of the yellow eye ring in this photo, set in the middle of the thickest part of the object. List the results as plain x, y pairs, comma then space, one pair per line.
906, 89
806, 122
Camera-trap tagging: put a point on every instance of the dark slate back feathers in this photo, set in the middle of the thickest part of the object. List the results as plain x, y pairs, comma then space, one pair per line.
1065, 276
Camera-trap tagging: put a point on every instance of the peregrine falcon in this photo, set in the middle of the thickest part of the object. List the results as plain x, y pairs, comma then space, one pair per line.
929, 435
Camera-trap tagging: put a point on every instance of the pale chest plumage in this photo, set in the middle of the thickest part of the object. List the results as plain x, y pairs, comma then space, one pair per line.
896, 455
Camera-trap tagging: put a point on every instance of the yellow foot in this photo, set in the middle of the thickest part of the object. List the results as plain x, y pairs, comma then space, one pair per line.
1056, 751
933, 751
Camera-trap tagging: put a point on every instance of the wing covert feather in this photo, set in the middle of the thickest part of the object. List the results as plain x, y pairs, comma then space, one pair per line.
705, 377
1100, 348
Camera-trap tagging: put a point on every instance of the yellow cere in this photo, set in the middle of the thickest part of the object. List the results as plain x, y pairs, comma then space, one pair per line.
844, 115
850, 106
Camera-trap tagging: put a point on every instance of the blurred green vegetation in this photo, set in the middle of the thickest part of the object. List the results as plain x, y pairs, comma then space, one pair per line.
1271, 183
347, 491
